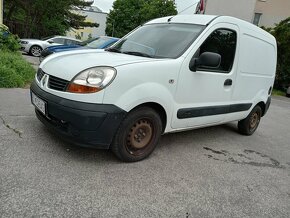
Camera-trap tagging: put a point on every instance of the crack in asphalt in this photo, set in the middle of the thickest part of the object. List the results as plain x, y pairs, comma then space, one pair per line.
19, 133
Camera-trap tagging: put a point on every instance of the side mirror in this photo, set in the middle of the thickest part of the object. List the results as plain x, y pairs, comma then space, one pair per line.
50, 41
206, 59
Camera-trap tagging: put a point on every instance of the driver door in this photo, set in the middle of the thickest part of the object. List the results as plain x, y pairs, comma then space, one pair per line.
203, 97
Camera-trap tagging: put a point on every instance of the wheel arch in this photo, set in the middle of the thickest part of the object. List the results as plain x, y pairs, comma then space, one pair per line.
36, 45
159, 109
263, 107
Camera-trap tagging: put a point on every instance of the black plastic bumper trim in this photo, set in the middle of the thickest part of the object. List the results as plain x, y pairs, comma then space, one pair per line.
85, 124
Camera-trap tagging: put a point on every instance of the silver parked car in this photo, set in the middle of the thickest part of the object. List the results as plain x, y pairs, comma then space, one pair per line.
35, 46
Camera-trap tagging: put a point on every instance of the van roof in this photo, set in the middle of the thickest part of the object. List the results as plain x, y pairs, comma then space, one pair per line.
202, 19
190, 19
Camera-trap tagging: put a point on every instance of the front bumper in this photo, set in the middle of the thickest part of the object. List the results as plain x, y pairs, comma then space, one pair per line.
25, 47
84, 124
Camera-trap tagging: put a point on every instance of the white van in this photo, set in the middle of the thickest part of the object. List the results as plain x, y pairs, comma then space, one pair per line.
170, 74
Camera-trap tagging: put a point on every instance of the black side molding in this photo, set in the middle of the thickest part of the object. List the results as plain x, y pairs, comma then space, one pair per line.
185, 113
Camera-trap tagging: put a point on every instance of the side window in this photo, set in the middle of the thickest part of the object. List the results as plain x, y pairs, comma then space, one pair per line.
58, 40
108, 45
69, 42
223, 42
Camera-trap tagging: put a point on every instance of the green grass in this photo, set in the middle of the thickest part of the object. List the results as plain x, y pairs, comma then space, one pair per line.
278, 92
15, 72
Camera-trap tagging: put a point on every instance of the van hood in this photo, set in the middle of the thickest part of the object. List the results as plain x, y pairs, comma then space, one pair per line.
67, 65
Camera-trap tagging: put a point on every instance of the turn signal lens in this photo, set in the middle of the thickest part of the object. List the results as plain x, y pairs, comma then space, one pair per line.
75, 88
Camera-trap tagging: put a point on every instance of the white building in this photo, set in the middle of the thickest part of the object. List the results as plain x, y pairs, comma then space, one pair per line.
94, 15
260, 12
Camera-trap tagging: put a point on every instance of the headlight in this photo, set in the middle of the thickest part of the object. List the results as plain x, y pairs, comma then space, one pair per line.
92, 80
24, 42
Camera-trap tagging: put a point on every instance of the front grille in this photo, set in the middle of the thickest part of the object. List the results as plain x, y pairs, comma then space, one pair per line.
57, 83
39, 74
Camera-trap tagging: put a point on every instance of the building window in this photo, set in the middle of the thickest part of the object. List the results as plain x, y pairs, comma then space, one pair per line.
257, 18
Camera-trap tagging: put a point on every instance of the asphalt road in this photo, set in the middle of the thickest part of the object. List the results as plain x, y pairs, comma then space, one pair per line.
211, 172
34, 61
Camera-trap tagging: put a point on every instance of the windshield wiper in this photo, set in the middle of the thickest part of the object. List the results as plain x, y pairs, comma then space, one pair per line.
137, 53
113, 50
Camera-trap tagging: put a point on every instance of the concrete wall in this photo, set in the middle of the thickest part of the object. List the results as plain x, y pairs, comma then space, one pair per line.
273, 11
243, 9
92, 16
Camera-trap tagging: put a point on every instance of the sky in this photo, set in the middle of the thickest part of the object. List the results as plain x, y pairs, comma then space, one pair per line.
184, 6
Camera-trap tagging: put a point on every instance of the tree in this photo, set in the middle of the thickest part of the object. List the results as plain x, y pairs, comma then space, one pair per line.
129, 14
282, 34
43, 18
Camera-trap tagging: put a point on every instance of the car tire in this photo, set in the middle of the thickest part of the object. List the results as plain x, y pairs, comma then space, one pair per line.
249, 125
138, 135
35, 50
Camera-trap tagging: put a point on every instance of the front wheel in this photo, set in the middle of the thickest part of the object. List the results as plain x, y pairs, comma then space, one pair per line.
138, 135
35, 50
249, 125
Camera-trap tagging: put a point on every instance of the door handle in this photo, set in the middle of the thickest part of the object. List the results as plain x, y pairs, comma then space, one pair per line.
228, 82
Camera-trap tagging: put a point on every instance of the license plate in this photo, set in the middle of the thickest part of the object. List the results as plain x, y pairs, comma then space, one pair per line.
38, 103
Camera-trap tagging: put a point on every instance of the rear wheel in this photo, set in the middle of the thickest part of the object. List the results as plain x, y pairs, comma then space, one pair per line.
138, 135
249, 125
35, 50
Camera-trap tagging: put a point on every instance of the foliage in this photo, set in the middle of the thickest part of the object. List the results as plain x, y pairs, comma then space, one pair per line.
78, 36
14, 70
8, 41
278, 92
89, 36
40, 18
282, 34
129, 14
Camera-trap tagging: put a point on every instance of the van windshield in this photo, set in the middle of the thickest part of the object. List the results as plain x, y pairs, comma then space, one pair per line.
168, 40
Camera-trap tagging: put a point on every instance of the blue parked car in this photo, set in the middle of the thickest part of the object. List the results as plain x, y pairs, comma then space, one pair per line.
4, 31
101, 42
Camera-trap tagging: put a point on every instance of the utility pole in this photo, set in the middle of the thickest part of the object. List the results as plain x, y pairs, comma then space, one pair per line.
1, 11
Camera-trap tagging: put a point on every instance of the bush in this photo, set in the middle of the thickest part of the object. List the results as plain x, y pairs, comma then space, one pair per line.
8, 41
14, 70
282, 34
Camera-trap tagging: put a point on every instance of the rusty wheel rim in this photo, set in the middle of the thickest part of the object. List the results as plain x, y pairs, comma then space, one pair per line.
140, 137
254, 120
